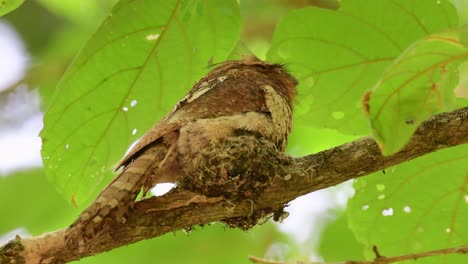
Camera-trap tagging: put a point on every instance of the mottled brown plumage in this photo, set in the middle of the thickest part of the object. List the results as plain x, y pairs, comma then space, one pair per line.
236, 97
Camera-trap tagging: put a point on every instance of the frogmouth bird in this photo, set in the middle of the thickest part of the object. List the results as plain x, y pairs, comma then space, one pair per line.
244, 96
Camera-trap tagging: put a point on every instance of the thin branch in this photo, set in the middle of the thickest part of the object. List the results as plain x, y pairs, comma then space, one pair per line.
292, 177
379, 260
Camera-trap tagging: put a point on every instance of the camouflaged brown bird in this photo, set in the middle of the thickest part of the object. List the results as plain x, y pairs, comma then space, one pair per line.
248, 96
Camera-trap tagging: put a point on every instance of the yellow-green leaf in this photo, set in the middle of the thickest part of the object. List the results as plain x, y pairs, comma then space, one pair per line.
6, 6
419, 84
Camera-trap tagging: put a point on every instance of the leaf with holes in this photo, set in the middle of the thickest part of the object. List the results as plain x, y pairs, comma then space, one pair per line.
141, 60
419, 84
414, 207
337, 56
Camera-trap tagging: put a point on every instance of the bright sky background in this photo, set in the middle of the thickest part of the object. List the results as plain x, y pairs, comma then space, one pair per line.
20, 116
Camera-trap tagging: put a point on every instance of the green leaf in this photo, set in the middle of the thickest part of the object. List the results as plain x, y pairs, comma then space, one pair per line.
462, 9
6, 6
419, 84
83, 12
137, 65
338, 55
413, 207
462, 88
29, 201
337, 242
306, 140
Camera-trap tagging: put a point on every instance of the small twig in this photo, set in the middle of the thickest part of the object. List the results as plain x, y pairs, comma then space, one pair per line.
379, 259
265, 261
376, 252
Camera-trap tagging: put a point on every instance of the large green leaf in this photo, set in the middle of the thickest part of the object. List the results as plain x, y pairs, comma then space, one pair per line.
416, 206
462, 88
462, 9
305, 140
83, 12
337, 55
6, 6
419, 84
137, 65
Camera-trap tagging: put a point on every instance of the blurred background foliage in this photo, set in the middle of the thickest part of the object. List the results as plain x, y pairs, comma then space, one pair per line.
53, 32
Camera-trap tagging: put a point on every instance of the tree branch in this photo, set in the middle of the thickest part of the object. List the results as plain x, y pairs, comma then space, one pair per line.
288, 178
379, 260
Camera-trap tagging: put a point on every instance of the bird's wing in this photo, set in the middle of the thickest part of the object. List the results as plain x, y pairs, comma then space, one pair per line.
156, 132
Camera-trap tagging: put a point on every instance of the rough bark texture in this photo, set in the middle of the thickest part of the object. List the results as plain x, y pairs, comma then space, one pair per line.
287, 178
